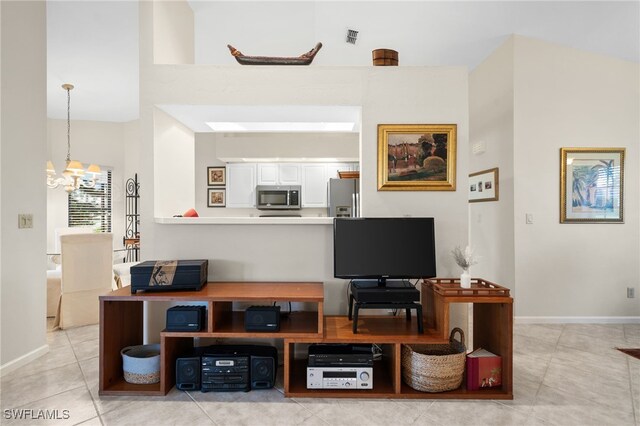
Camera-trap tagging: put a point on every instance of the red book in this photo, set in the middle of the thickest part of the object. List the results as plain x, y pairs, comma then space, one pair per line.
484, 369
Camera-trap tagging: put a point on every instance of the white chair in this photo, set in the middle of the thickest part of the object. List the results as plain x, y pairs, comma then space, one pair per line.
54, 275
87, 272
122, 274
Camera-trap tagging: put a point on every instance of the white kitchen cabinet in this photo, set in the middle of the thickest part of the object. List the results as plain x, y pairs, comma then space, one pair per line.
314, 185
241, 185
278, 174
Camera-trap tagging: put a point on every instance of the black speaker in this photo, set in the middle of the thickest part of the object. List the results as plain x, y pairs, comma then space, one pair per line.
188, 373
263, 372
186, 318
262, 318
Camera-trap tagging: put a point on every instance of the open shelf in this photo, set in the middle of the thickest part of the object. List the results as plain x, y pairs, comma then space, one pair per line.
297, 324
382, 384
120, 387
377, 329
460, 393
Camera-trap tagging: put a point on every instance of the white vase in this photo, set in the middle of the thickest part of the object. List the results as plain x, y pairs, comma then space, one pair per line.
465, 279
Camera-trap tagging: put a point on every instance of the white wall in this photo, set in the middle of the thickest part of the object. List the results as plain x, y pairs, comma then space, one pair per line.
174, 161
173, 41
22, 178
92, 142
304, 252
342, 146
491, 224
569, 98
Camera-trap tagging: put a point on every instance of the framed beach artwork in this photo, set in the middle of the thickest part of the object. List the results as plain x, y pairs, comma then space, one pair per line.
592, 185
416, 157
484, 186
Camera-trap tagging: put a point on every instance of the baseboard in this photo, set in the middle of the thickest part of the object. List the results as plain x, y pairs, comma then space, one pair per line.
577, 320
23, 360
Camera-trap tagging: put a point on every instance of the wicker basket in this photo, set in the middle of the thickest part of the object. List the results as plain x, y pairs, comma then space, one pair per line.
434, 368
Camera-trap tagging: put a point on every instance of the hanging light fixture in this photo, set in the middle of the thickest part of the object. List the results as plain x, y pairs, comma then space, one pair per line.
73, 175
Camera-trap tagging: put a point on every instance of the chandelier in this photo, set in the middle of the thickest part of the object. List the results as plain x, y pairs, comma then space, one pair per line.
74, 174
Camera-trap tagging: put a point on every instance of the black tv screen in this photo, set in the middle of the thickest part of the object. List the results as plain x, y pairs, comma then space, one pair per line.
384, 248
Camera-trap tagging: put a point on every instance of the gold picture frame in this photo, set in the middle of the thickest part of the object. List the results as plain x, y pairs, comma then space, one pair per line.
484, 186
417, 157
592, 185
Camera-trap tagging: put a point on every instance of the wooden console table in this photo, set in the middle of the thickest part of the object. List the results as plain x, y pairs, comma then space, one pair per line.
121, 325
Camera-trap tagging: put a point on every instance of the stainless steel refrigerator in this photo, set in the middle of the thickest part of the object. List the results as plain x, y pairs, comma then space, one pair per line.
343, 197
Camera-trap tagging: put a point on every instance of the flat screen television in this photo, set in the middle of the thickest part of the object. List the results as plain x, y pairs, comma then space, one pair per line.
382, 248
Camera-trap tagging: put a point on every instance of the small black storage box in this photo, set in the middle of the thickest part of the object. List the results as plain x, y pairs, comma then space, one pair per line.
173, 275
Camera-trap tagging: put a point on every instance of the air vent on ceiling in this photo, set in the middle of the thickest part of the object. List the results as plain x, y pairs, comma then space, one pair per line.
352, 35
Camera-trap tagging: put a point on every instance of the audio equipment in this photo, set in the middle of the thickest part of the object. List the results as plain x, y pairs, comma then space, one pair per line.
229, 372
186, 318
262, 318
188, 373
340, 355
339, 378
238, 367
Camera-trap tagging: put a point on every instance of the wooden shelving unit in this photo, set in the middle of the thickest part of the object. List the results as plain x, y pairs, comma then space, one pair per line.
121, 325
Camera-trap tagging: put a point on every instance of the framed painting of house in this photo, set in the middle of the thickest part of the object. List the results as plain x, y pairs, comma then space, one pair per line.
416, 157
592, 185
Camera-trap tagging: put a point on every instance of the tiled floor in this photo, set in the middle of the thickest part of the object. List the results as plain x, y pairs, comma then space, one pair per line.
563, 375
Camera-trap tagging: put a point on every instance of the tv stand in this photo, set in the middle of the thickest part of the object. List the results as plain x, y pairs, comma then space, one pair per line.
383, 294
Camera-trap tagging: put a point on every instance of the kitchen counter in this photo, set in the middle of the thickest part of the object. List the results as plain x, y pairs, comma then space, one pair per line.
255, 220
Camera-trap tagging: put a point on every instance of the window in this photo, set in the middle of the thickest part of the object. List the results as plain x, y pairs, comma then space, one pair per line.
92, 206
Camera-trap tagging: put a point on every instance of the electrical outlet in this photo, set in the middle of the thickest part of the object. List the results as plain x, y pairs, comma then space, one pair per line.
631, 292
25, 221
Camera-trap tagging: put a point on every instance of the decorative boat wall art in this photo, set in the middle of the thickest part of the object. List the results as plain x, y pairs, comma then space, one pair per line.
304, 59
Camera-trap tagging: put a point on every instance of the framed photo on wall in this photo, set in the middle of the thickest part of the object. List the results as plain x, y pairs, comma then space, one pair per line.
592, 185
484, 186
216, 176
417, 157
216, 197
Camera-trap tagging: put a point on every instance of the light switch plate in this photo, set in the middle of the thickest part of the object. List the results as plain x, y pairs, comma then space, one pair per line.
529, 218
25, 221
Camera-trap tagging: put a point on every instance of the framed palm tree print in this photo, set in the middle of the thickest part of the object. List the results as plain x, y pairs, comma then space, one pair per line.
592, 185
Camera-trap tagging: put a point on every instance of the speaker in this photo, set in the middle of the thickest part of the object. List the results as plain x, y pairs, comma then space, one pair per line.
263, 372
262, 318
188, 373
186, 318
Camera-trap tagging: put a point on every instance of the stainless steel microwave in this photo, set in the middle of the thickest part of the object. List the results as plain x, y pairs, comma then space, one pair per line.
278, 197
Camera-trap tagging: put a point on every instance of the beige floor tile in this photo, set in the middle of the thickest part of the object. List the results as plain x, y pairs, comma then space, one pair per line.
530, 367
593, 363
314, 421
81, 334
526, 345
549, 333
66, 408
472, 413
58, 356
87, 349
419, 406
176, 408
613, 391
57, 338
564, 408
92, 422
597, 345
18, 391
601, 331
632, 334
360, 411
90, 371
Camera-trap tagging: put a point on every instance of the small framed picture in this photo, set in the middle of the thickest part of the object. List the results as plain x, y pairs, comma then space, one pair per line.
216, 176
216, 197
484, 186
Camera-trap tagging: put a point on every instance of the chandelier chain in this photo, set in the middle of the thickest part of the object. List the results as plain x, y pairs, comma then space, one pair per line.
68, 125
